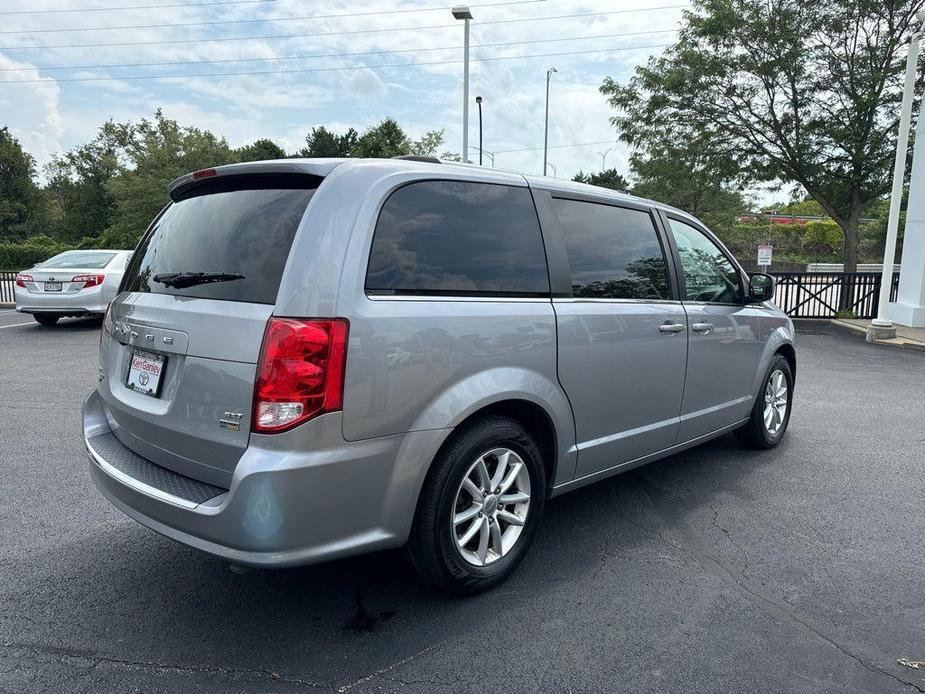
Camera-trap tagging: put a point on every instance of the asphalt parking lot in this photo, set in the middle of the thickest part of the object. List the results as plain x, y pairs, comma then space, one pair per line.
717, 570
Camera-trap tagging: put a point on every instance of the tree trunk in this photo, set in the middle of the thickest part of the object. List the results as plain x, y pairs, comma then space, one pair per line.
850, 228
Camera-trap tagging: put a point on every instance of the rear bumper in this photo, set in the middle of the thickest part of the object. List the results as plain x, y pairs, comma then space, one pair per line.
88, 301
296, 498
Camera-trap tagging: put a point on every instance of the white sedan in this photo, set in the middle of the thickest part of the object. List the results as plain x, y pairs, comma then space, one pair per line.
73, 283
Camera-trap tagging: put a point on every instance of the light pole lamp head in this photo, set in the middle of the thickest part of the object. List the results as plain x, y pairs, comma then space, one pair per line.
478, 99
461, 12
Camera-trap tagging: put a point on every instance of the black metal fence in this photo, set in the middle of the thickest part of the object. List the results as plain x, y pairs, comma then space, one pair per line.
6, 287
823, 294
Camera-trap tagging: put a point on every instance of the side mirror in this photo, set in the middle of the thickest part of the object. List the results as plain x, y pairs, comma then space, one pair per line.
761, 287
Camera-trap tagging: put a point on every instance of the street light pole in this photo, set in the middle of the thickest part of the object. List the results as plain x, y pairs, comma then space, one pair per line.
604, 158
546, 128
478, 100
464, 14
882, 326
555, 171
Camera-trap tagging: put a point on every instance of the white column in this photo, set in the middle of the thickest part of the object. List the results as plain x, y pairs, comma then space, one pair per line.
909, 308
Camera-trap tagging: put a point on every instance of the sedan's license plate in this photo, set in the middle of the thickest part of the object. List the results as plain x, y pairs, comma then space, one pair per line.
52, 286
145, 371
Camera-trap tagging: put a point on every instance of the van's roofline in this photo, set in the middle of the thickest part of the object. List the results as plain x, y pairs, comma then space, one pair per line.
321, 167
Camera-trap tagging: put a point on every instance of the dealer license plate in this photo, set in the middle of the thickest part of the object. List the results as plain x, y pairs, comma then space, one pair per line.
145, 371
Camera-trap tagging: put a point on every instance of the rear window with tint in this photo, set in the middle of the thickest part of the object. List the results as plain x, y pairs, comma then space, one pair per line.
237, 232
458, 238
91, 260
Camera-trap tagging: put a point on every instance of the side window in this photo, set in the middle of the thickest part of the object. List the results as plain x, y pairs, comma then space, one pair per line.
449, 237
708, 274
613, 252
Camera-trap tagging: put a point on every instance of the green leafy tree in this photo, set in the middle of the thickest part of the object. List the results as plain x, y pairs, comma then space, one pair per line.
687, 177
22, 205
384, 140
609, 178
77, 187
428, 144
260, 150
787, 89
157, 152
321, 142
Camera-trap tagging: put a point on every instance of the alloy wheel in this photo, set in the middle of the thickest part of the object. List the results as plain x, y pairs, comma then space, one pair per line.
775, 402
491, 506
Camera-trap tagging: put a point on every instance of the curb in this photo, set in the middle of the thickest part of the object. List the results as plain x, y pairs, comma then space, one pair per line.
858, 331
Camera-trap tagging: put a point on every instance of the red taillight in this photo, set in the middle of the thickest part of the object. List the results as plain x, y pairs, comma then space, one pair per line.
21, 280
300, 373
204, 173
89, 280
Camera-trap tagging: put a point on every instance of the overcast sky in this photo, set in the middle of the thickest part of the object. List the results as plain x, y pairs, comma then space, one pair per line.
48, 113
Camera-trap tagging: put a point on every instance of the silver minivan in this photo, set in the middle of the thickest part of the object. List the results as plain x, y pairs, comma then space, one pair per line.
310, 359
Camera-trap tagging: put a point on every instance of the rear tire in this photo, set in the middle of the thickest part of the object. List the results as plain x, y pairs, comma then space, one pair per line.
453, 490
46, 318
771, 412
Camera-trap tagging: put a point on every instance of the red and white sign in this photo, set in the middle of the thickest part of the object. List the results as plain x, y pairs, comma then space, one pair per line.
765, 252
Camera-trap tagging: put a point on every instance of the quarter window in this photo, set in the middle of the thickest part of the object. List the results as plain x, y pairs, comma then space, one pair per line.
709, 276
458, 238
613, 252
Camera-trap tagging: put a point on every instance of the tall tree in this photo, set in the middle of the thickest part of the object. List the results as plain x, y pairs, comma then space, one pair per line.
157, 152
609, 178
77, 186
787, 89
384, 140
321, 142
22, 209
687, 176
428, 144
260, 150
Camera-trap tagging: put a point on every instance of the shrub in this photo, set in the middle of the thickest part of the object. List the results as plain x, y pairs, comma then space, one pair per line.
19, 256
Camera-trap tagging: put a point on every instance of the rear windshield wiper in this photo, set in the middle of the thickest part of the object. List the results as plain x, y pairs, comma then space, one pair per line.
179, 280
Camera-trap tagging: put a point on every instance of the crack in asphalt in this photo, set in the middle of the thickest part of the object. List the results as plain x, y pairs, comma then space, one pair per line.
64, 655
766, 603
741, 550
381, 672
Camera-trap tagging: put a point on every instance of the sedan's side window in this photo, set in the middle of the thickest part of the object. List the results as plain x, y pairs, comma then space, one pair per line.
709, 276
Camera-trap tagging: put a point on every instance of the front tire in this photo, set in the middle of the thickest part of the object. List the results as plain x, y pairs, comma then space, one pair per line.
46, 318
479, 508
771, 412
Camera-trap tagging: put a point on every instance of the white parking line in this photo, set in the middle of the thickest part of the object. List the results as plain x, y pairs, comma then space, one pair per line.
15, 325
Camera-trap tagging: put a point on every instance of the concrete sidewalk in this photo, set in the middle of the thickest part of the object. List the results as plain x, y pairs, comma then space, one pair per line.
909, 338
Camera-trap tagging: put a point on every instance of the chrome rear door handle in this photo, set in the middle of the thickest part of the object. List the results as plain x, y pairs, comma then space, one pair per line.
671, 327
702, 327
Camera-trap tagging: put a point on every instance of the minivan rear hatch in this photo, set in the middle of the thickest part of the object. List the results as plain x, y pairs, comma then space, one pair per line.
181, 343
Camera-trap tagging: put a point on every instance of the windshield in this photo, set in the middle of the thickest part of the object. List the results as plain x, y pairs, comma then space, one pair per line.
230, 246
91, 260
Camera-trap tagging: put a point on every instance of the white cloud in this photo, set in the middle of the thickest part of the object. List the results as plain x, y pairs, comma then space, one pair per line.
31, 111
285, 106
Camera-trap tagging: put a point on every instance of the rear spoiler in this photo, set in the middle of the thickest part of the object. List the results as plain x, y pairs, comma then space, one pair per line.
286, 173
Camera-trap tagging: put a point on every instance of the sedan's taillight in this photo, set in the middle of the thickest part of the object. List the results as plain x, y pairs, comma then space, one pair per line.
21, 280
300, 373
89, 280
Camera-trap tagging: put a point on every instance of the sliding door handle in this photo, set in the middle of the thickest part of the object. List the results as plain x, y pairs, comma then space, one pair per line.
702, 327
671, 327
